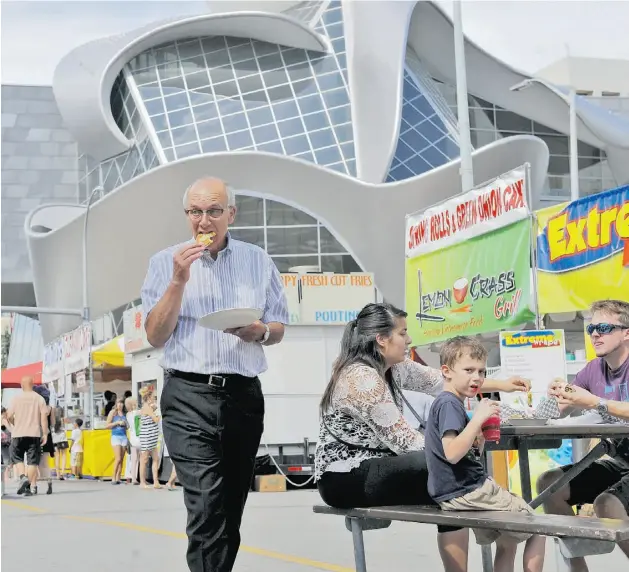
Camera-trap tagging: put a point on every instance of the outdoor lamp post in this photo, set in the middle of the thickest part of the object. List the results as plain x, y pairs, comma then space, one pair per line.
571, 99
86, 307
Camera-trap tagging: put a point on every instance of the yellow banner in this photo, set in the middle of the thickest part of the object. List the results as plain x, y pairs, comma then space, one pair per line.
583, 252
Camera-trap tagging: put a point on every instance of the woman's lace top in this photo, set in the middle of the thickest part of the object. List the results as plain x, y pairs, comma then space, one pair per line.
364, 412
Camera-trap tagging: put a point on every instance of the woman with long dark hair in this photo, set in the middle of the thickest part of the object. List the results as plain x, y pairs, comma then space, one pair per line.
367, 453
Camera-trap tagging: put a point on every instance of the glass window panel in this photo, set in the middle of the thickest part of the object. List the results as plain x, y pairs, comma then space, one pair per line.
250, 211
334, 30
250, 235
226, 89
448, 147
293, 56
202, 112
332, 16
264, 48
418, 165
557, 144
233, 41
430, 131
304, 87
322, 138
181, 117
250, 83
434, 156
235, 122
207, 129
330, 81
342, 59
285, 110
221, 74
291, 240
340, 115
348, 151
508, 121
169, 70
400, 173
147, 76
328, 156
270, 62
294, 145
414, 140
193, 65
242, 52
284, 263
170, 154
272, 147
558, 165
585, 150
403, 151
310, 104
482, 138
328, 242
280, 214
315, 121
189, 48
290, 127
540, 128
150, 91
175, 102
265, 133
275, 77
260, 116
187, 150
344, 132
306, 157
279, 93
409, 89
412, 115
246, 69
183, 135
164, 139
239, 140
213, 145
215, 47
197, 80
201, 95
229, 106
339, 264
335, 97
256, 99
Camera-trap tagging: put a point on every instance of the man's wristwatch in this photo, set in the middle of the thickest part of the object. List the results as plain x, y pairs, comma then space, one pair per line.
266, 335
601, 407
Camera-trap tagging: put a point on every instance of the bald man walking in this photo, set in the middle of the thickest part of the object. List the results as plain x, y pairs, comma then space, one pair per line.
29, 416
212, 403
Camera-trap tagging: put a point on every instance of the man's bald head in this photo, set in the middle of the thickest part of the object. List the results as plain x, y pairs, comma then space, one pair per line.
27, 383
217, 187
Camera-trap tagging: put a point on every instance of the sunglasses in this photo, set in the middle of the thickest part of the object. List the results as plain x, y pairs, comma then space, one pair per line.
603, 329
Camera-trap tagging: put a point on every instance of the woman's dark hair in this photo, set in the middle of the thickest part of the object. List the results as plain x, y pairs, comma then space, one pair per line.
59, 424
359, 344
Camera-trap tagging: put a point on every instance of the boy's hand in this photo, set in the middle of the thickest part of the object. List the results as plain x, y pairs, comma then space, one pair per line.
486, 409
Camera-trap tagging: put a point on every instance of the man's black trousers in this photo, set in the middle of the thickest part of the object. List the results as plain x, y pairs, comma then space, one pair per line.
212, 432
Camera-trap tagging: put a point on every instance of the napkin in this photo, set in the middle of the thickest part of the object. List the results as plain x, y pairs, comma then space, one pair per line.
548, 408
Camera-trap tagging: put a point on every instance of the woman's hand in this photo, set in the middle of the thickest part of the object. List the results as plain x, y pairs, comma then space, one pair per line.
517, 383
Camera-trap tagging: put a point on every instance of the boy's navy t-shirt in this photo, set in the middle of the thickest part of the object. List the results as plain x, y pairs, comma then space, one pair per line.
445, 480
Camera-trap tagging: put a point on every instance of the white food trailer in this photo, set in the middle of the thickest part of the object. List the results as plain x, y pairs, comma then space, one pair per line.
299, 368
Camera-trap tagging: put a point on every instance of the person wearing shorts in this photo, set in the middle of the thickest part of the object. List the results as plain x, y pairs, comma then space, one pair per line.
602, 386
457, 479
117, 422
76, 452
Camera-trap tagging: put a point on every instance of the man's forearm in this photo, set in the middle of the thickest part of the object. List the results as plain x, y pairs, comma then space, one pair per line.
276, 333
618, 409
162, 320
44, 424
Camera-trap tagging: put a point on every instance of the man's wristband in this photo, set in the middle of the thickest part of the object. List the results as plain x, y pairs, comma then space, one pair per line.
266, 335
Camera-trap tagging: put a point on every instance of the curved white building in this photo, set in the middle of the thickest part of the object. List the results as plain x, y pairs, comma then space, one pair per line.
332, 119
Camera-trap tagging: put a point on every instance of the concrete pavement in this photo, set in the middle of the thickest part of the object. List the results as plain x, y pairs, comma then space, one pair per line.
102, 528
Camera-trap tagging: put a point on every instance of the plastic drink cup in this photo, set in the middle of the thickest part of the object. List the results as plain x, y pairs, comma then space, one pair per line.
491, 428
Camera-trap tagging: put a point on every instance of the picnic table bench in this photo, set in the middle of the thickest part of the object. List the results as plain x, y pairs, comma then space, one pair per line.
604, 531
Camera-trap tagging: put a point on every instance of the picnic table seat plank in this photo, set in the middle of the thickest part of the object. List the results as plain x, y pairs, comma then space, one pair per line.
544, 524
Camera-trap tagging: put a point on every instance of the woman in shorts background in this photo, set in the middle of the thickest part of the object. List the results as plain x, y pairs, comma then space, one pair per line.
45, 474
117, 422
149, 437
60, 441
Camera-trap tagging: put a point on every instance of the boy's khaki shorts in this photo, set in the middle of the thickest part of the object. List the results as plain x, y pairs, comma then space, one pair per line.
491, 496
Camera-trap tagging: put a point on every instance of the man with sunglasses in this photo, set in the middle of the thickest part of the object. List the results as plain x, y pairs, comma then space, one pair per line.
601, 386
212, 403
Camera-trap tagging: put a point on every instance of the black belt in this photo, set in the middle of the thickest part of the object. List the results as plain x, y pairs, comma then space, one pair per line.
219, 380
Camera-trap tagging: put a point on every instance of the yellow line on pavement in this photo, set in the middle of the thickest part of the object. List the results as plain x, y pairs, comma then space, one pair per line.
157, 531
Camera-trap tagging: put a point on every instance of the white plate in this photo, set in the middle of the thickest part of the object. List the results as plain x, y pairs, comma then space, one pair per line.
230, 318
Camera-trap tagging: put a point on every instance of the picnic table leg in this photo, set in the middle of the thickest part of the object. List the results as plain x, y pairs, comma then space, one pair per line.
487, 558
525, 470
359, 545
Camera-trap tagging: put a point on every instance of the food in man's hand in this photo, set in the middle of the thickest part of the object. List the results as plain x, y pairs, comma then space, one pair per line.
569, 389
205, 239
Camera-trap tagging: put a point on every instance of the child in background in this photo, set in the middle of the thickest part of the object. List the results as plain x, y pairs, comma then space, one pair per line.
76, 452
457, 479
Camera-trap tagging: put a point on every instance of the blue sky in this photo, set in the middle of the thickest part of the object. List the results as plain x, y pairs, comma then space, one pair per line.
526, 34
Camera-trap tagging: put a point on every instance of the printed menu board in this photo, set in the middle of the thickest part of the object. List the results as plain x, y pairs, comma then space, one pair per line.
537, 355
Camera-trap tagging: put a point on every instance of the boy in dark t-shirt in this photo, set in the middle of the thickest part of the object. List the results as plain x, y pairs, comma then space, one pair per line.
457, 479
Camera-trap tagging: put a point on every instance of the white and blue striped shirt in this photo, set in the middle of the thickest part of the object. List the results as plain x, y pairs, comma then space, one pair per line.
242, 276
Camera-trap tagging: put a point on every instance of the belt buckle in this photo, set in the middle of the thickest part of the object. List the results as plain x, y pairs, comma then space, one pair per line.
217, 381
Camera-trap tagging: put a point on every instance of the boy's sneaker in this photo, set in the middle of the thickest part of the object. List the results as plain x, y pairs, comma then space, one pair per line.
24, 485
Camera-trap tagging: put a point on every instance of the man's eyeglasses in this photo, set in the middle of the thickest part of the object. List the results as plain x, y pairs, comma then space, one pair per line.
197, 214
603, 329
